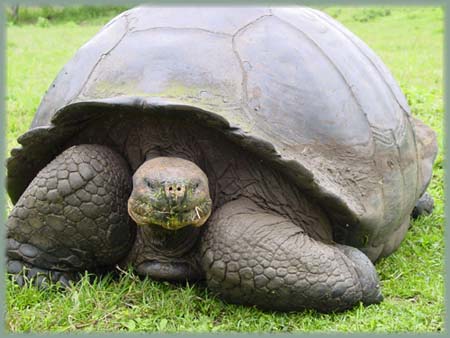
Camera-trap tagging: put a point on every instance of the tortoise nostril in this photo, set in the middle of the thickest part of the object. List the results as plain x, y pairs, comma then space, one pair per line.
174, 189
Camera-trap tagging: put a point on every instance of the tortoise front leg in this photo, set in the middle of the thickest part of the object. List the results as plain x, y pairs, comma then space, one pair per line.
253, 257
72, 217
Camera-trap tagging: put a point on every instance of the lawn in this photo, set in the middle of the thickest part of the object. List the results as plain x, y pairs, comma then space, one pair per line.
410, 42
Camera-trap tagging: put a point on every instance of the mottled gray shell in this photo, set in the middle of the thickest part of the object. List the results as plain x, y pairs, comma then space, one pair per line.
291, 84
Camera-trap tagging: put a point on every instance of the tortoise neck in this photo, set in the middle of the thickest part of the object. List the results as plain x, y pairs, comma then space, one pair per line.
159, 242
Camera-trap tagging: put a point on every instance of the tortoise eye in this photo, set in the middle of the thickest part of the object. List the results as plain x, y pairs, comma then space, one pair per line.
149, 183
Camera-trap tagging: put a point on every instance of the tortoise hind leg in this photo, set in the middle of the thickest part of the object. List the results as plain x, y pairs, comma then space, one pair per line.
257, 258
427, 151
72, 217
424, 206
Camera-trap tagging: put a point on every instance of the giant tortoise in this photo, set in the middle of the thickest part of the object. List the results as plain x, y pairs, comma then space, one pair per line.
267, 151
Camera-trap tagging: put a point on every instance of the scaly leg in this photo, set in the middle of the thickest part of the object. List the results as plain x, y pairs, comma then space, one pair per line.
72, 217
253, 257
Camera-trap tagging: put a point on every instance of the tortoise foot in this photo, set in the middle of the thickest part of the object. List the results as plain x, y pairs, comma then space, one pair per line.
424, 206
23, 273
368, 278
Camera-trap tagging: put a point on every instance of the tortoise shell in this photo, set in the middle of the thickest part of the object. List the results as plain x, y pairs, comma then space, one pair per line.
291, 84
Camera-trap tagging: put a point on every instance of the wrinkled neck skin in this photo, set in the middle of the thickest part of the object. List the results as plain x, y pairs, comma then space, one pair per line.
156, 243
232, 172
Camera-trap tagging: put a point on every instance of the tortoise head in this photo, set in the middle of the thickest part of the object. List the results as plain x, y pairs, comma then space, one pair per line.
170, 192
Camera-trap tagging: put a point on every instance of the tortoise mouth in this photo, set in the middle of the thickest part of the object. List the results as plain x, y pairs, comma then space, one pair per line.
169, 218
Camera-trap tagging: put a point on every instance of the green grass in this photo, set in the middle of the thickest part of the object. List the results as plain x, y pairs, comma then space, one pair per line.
410, 41
46, 15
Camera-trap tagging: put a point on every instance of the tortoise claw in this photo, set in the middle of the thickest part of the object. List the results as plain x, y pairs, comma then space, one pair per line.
22, 274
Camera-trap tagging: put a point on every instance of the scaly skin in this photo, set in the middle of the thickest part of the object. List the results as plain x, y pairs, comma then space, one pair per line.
72, 217
254, 257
